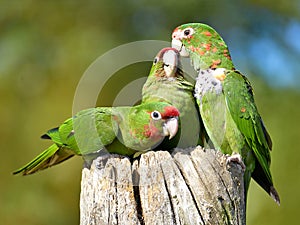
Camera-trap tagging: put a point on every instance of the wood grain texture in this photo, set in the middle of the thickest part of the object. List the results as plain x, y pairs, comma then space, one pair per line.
189, 186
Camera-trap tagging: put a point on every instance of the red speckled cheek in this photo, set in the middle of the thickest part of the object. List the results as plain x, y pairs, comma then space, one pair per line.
201, 52
147, 131
206, 33
206, 46
193, 48
154, 133
176, 34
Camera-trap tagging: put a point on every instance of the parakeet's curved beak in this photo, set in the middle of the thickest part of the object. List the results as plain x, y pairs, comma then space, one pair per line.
170, 127
170, 70
170, 61
177, 44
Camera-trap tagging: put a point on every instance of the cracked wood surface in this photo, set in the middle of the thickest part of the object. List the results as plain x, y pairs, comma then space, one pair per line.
189, 186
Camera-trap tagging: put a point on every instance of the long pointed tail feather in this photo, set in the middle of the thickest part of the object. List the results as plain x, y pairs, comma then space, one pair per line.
51, 156
260, 177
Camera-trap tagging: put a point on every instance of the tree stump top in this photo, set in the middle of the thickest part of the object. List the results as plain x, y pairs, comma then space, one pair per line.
189, 186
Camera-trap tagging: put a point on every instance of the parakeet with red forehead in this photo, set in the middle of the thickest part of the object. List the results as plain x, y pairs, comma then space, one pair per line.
121, 130
167, 83
226, 103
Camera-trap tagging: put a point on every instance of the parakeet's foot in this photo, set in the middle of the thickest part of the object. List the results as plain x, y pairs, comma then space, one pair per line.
237, 159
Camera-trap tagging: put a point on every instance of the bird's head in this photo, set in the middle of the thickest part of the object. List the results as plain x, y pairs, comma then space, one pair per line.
163, 120
166, 64
203, 45
150, 123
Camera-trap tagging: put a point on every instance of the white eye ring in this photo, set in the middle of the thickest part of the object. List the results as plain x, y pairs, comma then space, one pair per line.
155, 60
155, 115
188, 32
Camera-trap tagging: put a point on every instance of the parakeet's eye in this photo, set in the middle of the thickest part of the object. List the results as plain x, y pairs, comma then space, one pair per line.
188, 32
166, 65
156, 115
155, 60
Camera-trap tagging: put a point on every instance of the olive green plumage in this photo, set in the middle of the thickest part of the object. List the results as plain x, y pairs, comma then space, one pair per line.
121, 130
226, 103
167, 83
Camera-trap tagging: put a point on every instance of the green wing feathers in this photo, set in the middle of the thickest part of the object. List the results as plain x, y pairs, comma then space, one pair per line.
94, 129
121, 130
244, 112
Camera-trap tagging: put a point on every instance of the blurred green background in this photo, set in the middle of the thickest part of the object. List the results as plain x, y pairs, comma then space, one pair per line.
45, 47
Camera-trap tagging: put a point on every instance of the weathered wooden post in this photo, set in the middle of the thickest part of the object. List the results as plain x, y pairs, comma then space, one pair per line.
189, 186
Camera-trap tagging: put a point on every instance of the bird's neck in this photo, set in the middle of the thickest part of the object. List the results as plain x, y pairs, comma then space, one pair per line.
210, 55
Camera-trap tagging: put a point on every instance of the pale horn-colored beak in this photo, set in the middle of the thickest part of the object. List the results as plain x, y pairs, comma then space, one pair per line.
170, 61
177, 44
170, 128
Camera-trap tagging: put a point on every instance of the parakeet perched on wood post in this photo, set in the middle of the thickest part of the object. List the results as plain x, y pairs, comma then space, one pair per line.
226, 103
166, 82
121, 130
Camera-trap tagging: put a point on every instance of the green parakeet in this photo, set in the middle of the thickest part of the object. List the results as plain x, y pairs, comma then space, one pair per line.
226, 103
121, 130
167, 83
